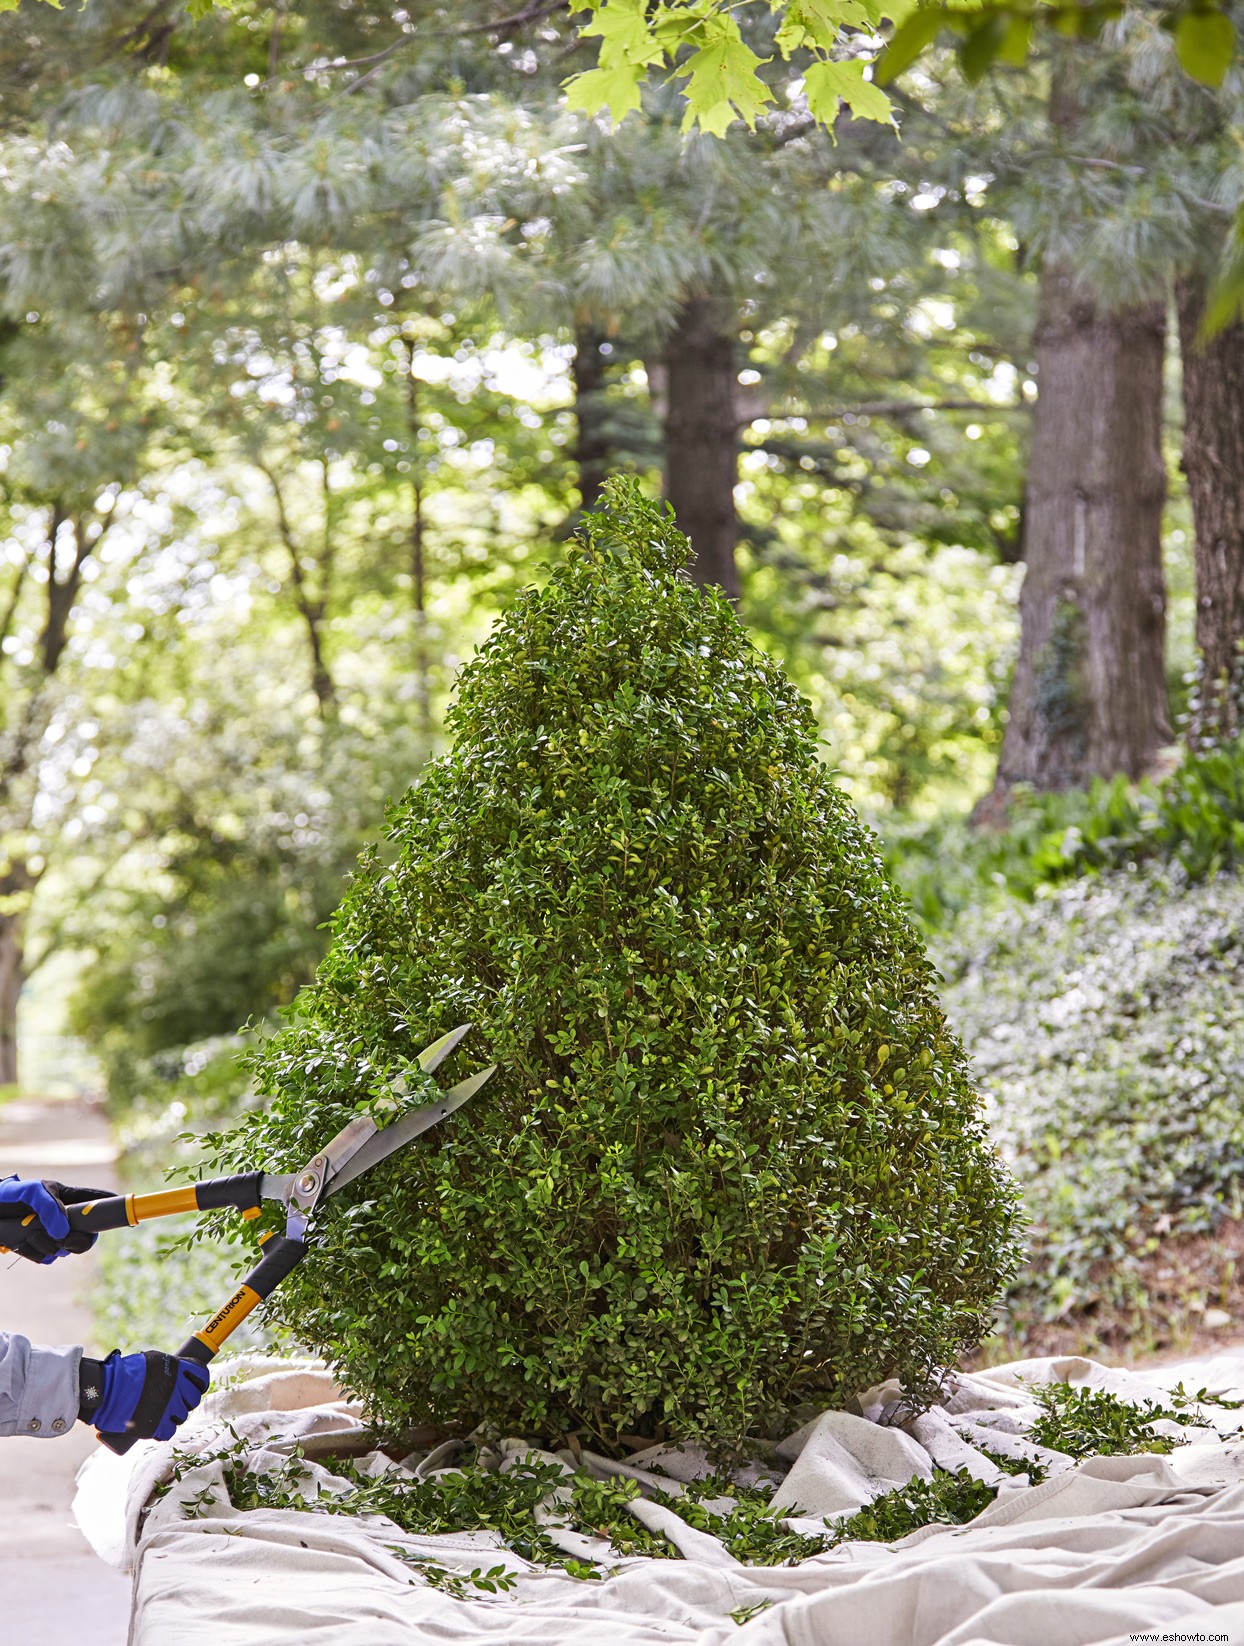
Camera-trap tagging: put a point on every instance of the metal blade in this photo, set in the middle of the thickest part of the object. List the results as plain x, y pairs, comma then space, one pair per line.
348, 1142
331, 1160
406, 1130
308, 1185
431, 1057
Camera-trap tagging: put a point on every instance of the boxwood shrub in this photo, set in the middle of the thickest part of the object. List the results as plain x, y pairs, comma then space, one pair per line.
732, 1161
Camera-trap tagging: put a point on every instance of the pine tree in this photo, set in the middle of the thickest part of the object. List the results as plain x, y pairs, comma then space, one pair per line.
1124, 205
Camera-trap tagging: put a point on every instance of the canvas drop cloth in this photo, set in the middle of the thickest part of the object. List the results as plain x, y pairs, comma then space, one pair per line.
1102, 1551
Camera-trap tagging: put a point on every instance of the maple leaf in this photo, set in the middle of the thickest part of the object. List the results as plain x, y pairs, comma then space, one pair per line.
615, 89
624, 33
816, 23
720, 76
826, 84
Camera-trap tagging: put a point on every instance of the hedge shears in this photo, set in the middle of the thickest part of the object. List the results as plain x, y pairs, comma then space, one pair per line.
358, 1147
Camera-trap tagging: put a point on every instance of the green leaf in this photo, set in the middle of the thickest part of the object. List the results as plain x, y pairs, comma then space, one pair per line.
624, 34
827, 84
981, 46
615, 89
1205, 45
906, 44
627, 48
1017, 41
816, 23
1225, 304
722, 82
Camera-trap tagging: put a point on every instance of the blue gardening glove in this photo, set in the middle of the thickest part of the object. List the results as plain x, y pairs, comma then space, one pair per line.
142, 1396
40, 1205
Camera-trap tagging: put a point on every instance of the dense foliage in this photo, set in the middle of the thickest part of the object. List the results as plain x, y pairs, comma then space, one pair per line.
733, 1159
1108, 1033
1191, 821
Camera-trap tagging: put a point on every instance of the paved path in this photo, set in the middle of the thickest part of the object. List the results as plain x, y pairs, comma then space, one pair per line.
54, 1591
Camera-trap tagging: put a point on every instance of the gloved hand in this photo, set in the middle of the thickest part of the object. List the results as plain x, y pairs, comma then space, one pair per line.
144, 1396
41, 1205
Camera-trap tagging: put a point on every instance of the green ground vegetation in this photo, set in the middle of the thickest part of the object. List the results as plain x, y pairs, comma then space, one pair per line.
1091, 959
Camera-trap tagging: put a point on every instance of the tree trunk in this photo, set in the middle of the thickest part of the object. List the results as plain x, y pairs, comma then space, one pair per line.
62, 582
593, 452
701, 437
418, 543
1089, 697
311, 605
15, 886
1213, 461
11, 976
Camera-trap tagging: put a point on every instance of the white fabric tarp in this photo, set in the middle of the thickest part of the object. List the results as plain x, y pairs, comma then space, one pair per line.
1101, 1551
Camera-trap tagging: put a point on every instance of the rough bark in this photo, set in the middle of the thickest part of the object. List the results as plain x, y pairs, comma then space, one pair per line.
593, 452
1089, 697
1213, 461
701, 437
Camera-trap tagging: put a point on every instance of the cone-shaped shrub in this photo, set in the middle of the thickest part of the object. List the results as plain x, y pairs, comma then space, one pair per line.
732, 1161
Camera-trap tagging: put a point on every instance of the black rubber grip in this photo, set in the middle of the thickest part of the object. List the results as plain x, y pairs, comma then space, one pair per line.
213, 1194
194, 1348
99, 1214
241, 1191
281, 1256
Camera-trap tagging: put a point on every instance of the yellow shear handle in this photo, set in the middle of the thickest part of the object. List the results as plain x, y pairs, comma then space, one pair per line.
228, 1319
243, 1192
281, 1255
139, 1208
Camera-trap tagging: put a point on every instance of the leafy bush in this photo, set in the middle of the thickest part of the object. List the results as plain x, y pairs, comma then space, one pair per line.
733, 1160
1194, 819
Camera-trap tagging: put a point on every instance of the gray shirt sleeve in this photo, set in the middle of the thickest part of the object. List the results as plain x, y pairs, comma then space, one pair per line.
38, 1388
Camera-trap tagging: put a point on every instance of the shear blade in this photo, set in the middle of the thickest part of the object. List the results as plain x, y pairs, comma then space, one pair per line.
406, 1130
431, 1057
